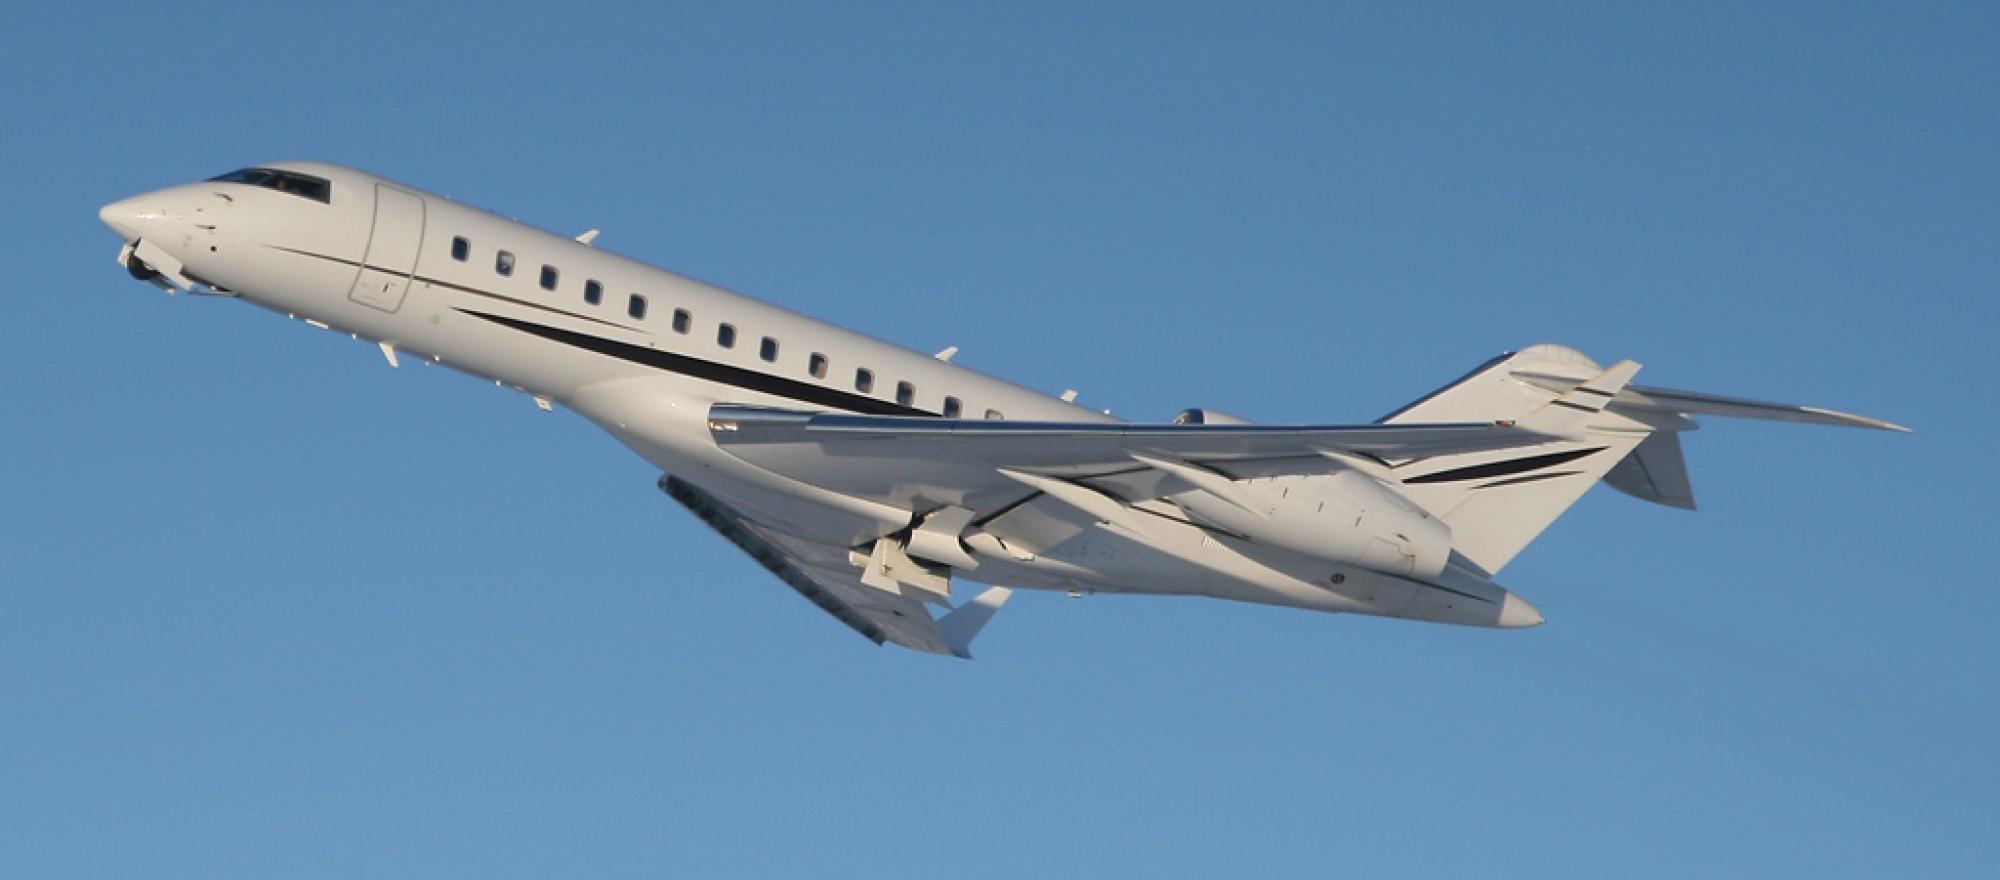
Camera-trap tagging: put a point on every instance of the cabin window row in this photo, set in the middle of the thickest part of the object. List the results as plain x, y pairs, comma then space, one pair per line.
725, 334
551, 277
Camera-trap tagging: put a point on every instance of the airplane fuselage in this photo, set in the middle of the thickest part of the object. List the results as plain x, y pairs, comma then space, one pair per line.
645, 353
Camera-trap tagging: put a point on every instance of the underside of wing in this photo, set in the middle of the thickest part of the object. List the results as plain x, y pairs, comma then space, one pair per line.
824, 575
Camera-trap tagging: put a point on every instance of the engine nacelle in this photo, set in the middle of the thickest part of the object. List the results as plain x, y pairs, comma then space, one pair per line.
1340, 517
1208, 417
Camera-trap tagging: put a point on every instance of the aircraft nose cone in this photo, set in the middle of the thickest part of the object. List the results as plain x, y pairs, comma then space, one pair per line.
127, 218
1516, 613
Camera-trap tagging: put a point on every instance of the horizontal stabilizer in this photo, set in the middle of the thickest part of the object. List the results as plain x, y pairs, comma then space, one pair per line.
1568, 415
1694, 403
1627, 435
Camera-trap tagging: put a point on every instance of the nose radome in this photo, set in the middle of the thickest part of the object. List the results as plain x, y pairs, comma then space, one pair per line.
126, 218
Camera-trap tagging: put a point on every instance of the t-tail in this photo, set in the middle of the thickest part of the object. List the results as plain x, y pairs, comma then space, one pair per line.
1627, 435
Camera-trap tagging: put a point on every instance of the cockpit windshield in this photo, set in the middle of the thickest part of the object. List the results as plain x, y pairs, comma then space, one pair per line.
315, 188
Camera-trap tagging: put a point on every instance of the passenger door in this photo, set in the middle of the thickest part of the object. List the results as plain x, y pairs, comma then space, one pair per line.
392, 249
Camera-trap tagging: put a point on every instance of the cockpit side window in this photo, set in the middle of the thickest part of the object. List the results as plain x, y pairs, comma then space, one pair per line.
316, 188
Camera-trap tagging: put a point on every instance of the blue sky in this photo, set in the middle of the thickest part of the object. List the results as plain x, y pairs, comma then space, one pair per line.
271, 608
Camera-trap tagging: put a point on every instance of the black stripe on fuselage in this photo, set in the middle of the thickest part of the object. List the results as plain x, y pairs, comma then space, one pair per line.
458, 287
724, 374
738, 377
1506, 468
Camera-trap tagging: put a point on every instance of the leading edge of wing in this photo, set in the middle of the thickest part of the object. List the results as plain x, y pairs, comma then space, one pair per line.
857, 434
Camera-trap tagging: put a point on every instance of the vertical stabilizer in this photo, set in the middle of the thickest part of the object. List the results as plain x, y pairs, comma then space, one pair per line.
1497, 502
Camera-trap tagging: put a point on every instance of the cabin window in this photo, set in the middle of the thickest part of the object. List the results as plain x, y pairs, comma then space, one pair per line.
682, 320
864, 380
816, 365
460, 248
906, 394
952, 408
994, 414
593, 292
503, 263
549, 275
636, 306
768, 349
725, 335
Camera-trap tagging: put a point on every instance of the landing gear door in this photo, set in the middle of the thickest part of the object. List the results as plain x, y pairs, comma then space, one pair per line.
392, 249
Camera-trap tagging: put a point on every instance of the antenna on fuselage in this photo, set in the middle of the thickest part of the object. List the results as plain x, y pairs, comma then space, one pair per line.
588, 236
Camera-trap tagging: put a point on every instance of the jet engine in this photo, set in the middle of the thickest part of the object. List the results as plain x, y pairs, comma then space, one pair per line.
1345, 517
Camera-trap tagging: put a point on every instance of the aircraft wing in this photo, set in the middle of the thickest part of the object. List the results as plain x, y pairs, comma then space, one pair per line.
823, 574
921, 463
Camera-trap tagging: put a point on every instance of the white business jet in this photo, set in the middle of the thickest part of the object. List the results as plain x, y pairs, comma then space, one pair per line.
867, 477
